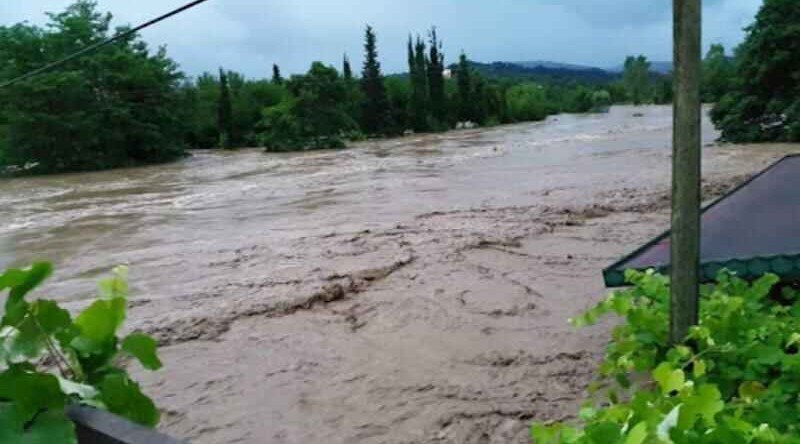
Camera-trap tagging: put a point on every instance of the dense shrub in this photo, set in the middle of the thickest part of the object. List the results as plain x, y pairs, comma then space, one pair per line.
526, 102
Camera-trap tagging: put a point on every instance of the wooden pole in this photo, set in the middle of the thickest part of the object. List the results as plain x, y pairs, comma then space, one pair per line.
685, 242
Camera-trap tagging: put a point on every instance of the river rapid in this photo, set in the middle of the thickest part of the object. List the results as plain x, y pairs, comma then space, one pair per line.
404, 290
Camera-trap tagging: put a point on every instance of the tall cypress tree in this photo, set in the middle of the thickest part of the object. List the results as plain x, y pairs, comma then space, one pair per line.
419, 85
276, 75
464, 89
224, 111
436, 79
376, 118
347, 72
412, 62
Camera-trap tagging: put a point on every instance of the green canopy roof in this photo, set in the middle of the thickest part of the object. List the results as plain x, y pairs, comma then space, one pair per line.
752, 230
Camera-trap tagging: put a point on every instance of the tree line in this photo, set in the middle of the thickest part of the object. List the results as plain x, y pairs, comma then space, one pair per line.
131, 105
323, 108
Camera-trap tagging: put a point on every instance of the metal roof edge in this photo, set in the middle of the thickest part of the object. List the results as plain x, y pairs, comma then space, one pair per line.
612, 276
784, 265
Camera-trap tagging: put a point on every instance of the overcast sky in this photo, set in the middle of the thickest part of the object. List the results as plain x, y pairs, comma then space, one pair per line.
249, 35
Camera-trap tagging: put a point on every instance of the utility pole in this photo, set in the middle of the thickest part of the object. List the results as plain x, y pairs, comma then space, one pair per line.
686, 145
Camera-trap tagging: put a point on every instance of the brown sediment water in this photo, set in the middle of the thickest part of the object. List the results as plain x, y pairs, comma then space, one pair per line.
402, 291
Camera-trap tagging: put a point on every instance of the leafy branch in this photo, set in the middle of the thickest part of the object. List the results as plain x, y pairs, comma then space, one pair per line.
39, 337
734, 379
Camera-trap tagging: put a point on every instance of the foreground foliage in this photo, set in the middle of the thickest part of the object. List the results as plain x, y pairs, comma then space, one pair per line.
736, 378
49, 360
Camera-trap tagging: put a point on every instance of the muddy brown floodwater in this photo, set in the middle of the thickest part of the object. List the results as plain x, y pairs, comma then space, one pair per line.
403, 291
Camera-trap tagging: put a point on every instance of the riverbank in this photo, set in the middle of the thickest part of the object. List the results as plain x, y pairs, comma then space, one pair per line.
408, 290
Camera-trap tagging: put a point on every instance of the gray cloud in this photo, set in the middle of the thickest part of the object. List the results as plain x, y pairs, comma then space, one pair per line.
249, 35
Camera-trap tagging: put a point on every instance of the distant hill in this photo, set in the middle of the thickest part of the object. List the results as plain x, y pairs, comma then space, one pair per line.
550, 72
545, 71
553, 65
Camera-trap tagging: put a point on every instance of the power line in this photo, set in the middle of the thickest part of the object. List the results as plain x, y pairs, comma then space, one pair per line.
99, 45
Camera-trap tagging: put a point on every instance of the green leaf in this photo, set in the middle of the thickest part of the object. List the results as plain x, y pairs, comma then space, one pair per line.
669, 379
50, 317
117, 286
29, 393
36, 275
82, 391
699, 368
124, 397
668, 423
604, 433
48, 427
143, 348
751, 390
12, 278
98, 325
27, 342
705, 403
543, 434
767, 355
638, 434
554, 434
21, 282
762, 286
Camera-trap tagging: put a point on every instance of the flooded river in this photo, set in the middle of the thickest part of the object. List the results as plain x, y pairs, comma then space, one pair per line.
406, 290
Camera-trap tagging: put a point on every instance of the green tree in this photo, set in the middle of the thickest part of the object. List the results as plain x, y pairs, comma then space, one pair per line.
224, 112
418, 74
276, 75
398, 90
526, 102
204, 132
636, 78
480, 100
437, 96
664, 91
354, 102
120, 106
313, 116
376, 114
601, 101
347, 71
464, 81
579, 100
763, 104
718, 73
249, 98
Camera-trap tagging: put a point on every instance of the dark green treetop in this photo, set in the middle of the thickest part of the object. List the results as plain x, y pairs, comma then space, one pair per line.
224, 111
276, 75
764, 102
436, 79
376, 113
636, 79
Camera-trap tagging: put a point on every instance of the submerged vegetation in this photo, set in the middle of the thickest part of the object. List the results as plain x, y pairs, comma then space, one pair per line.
49, 360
